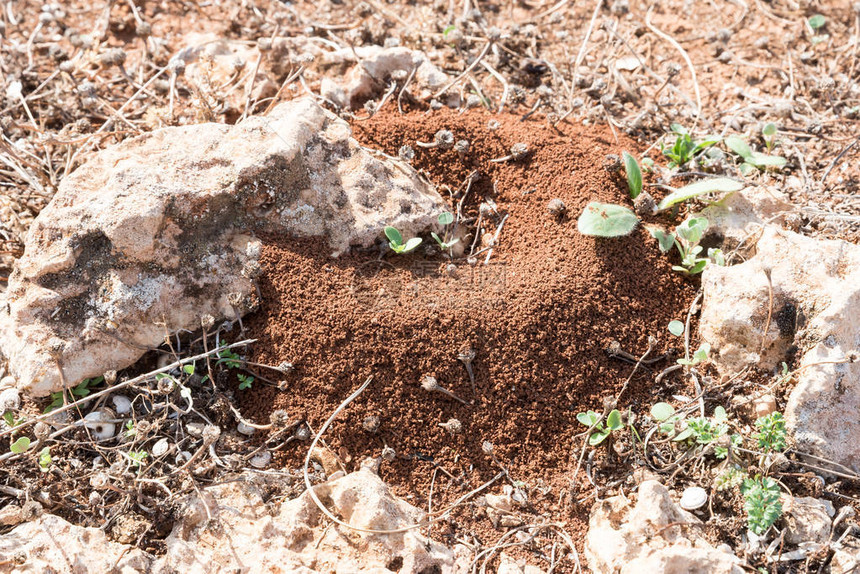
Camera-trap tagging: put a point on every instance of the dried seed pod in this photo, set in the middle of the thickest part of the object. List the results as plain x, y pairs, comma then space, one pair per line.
388, 453
453, 426
279, 418
371, 423
100, 425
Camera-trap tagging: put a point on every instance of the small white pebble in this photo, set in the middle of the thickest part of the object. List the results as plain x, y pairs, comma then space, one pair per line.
121, 404
694, 497
261, 460
160, 447
246, 430
9, 400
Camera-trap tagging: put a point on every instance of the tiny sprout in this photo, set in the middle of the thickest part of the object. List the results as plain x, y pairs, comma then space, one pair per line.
443, 140
453, 426
519, 151
370, 423
406, 153
395, 241
556, 208
388, 453
429, 383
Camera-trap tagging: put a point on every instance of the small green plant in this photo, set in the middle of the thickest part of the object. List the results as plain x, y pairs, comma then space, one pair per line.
606, 220
245, 381
771, 432
634, 175
816, 22
45, 459
686, 239
130, 431
444, 219
761, 502
20, 445
699, 356
138, 457
731, 477
11, 421
685, 148
768, 134
229, 359
592, 420
677, 328
753, 160
189, 369
78, 392
395, 241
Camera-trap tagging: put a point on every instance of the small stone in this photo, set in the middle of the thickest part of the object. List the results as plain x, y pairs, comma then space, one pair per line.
121, 404
556, 208
764, 405
160, 447
245, 429
694, 497
370, 423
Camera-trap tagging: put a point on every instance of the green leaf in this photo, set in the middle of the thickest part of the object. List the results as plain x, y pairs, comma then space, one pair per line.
691, 231
817, 21
662, 411
393, 236
720, 414
45, 459
411, 244
634, 175
716, 184
683, 435
769, 130
613, 420
606, 220
446, 218
740, 146
702, 354
598, 437
764, 160
664, 239
438, 239
676, 328
20, 445
189, 369
588, 419
448, 30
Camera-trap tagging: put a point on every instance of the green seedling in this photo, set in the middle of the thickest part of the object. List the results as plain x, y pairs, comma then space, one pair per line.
700, 356
712, 185
78, 392
245, 381
189, 369
731, 477
606, 220
20, 445
753, 160
395, 241
592, 420
138, 457
229, 359
761, 501
768, 134
816, 22
634, 175
771, 432
11, 421
130, 431
686, 240
45, 459
685, 148
445, 219
448, 30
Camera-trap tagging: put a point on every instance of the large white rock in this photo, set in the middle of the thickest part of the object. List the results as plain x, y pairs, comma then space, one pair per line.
624, 538
816, 307
230, 528
159, 230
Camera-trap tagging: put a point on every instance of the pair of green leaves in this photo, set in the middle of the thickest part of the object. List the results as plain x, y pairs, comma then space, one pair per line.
395, 241
446, 218
685, 148
593, 420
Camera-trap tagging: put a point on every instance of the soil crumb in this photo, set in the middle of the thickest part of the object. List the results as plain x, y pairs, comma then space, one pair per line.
539, 320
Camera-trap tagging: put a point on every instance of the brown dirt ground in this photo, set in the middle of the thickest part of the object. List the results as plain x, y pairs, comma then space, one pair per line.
539, 318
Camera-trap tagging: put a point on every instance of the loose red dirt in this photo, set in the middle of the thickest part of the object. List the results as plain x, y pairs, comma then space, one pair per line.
539, 319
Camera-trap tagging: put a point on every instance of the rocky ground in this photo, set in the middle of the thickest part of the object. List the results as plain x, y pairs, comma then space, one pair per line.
214, 359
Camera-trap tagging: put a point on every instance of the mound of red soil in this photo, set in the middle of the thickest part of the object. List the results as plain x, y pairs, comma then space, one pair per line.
539, 318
